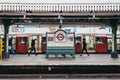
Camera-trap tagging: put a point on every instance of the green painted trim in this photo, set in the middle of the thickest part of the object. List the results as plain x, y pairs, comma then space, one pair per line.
60, 51
114, 26
6, 23
5, 54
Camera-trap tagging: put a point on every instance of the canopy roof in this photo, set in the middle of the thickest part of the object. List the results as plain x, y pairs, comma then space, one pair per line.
59, 1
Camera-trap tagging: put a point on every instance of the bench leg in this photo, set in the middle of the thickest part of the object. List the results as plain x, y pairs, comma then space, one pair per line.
73, 55
56, 55
47, 55
64, 55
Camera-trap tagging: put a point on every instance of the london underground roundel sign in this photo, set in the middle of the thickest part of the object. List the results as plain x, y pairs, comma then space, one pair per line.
60, 37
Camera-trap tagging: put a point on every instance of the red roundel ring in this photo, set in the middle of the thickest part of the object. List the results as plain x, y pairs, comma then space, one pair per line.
60, 37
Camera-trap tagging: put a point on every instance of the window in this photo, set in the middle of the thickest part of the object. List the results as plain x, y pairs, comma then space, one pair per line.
98, 40
50, 38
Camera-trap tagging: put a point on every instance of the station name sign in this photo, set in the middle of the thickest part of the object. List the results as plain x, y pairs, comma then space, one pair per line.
60, 36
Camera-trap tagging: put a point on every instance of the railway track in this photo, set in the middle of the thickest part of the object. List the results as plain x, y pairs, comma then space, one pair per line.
60, 76
61, 71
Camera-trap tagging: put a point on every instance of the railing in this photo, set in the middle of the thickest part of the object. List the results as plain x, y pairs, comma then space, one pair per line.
57, 7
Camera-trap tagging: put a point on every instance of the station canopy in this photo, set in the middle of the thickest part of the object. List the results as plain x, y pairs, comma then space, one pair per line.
59, 1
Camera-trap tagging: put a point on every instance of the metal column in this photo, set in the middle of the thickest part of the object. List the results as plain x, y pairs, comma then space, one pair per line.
114, 24
6, 24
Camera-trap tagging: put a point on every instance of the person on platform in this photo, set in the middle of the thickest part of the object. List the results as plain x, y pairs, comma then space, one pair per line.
33, 47
84, 47
11, 50
10, 41
10, 46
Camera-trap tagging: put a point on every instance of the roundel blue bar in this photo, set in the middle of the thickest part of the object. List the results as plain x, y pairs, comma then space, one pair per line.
60, 37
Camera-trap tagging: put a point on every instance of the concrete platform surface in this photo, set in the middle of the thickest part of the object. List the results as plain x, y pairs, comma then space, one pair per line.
93, 59
60, 79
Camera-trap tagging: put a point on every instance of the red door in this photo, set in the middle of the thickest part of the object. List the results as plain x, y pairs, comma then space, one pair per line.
101, 44
78, 45
43, 45
21, 44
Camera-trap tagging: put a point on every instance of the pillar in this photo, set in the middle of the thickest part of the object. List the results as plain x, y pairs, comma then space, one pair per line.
114, 24
6, 23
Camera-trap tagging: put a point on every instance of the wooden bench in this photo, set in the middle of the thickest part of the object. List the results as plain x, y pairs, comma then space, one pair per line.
60, 50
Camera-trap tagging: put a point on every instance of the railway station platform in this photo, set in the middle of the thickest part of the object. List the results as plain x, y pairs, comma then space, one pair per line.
93, 64
93, 59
